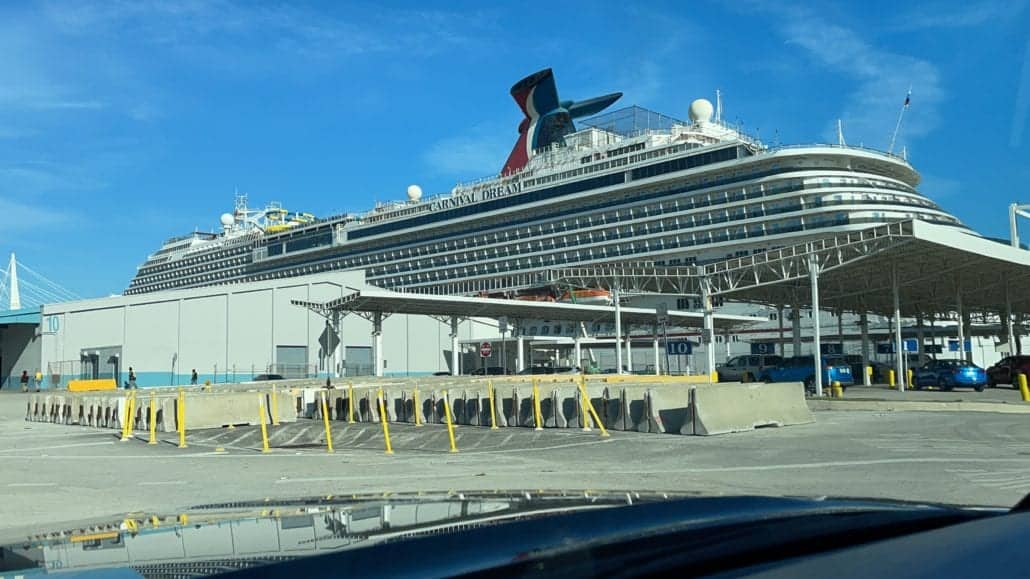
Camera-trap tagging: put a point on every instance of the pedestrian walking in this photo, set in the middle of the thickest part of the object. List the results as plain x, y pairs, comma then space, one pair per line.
39, 379
132, 378
24, 380
193, 377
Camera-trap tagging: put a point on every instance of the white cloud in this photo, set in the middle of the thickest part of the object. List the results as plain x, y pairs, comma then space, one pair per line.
963, 15
1021, 115
480, 152
20, 217
882, 80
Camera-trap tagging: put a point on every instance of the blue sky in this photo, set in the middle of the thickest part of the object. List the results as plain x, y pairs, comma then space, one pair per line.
124, 123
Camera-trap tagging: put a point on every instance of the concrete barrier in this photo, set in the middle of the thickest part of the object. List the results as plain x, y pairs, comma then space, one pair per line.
668, 409
554, 410
724, 408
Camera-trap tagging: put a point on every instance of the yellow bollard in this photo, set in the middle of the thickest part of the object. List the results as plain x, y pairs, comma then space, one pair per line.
261, 417
181, 409
838, 390
325, 420
416, 407
1023, 390
583, 412
384, 421
450, 424
536, 406
493, 409
130, 403
890, 378
590, 406
350, 403
275, 407
184, 519
153, 419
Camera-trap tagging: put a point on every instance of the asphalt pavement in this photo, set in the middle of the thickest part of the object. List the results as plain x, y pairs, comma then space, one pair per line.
55, 474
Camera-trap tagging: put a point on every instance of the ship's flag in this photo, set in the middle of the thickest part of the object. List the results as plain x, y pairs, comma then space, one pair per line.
908, 98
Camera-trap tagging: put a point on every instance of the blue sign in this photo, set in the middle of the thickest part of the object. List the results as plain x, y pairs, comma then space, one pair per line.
953, 345
763, 348
885, 348
910, 345
680, 348
831, 349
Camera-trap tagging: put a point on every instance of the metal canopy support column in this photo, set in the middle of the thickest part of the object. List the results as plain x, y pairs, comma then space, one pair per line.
795, 326
455, 355
779, 317
629, 348
961, 319
336, 334
813, 279
618, 330
377, 343
863, 322
577, 349
708, 333
1010, 335
657, 354
520, 347
898, 353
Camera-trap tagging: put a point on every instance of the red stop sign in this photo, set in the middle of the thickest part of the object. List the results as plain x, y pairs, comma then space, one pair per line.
485, 349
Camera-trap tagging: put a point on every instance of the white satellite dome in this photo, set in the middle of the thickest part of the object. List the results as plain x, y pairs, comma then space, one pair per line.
414, 192
701, 111
227, 219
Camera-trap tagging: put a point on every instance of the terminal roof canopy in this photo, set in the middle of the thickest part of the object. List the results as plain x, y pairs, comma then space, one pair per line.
933, 263
371, 300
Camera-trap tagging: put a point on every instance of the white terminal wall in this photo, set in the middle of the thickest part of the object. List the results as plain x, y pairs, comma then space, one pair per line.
164, 335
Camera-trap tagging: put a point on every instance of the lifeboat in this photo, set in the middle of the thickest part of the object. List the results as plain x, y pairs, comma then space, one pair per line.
587, 296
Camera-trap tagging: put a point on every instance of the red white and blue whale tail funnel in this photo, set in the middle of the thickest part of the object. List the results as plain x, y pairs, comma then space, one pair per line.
547, 119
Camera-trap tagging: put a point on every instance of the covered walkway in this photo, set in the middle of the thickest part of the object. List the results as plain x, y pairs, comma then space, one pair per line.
377, 304
910, 268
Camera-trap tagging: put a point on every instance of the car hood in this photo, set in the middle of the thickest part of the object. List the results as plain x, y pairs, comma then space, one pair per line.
239, 535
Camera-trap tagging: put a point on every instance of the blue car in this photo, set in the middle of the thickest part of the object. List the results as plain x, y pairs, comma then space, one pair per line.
947, 374
802, 369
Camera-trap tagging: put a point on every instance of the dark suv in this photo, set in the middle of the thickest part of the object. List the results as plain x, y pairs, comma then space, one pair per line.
1004, 372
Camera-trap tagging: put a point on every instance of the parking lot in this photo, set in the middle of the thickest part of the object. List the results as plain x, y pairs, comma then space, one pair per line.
54, 473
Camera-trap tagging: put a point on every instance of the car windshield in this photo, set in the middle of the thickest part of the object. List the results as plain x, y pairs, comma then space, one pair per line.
370, 250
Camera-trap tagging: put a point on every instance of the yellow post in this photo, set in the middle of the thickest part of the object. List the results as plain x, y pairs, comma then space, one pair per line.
838, 390
416, 407
325, 420
275, 407
909, 373
384, 421
890, 378
583, 412
153, 419
493, 409
130, 403
261, 417
181, 408
1023, 390
450, 425
536, 406
869, 372
590, 406
350, 403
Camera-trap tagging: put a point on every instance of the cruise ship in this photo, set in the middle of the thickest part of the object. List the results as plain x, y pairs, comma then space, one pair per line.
581, 187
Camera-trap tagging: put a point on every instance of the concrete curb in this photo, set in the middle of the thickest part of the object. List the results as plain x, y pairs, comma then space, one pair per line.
918, 406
